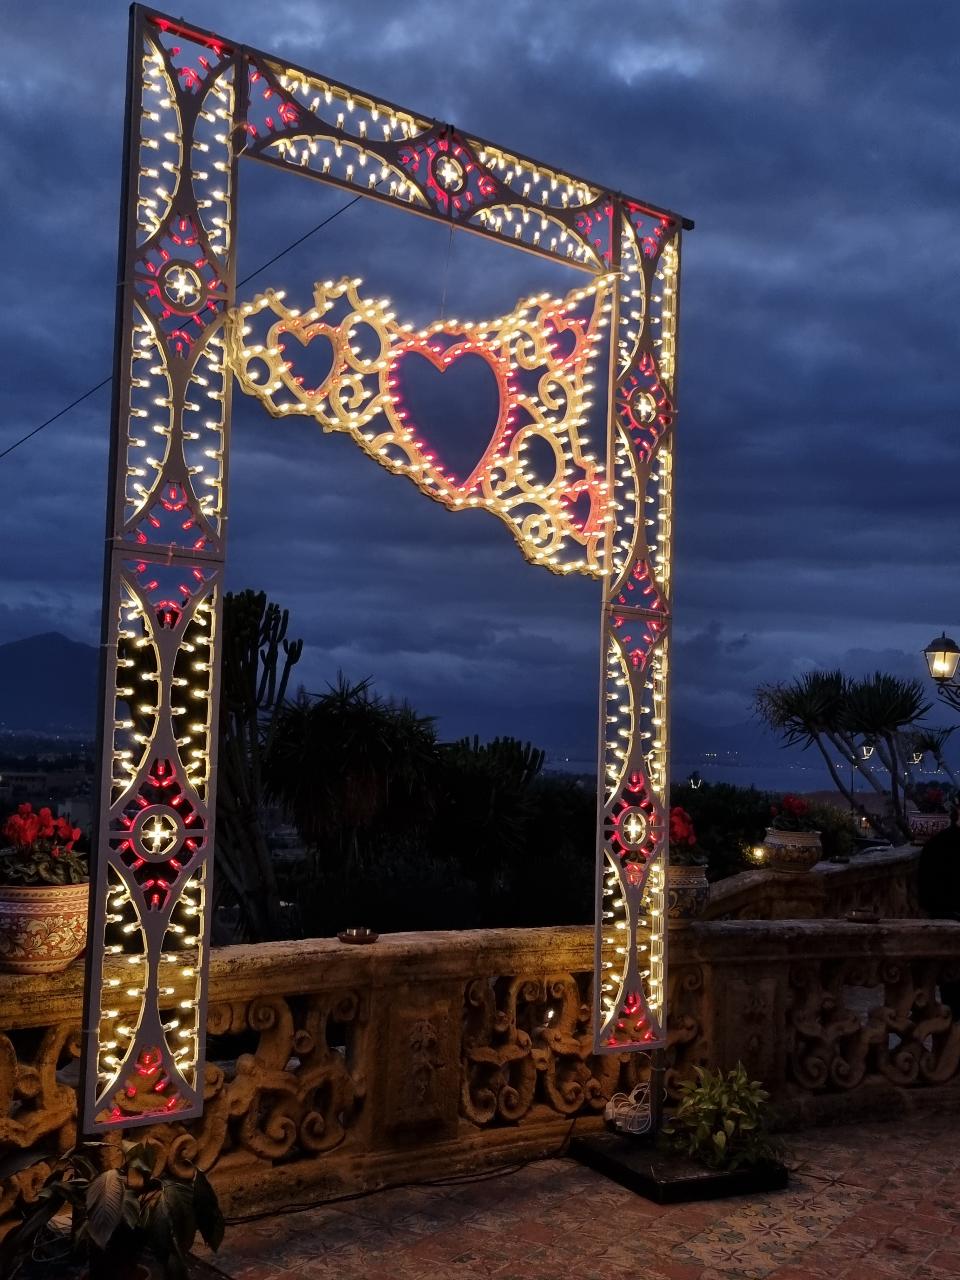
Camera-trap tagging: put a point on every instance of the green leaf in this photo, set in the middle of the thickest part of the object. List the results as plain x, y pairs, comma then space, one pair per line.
104, 1203
141, 1156
178, 1199
73, 1191
15, 1161
207, 1209
159, 1229
174, 1266
132, 1214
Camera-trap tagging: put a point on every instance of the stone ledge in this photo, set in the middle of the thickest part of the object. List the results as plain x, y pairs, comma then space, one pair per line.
345, 1068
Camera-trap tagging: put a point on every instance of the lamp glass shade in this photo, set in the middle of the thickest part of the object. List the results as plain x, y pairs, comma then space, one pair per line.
943, 657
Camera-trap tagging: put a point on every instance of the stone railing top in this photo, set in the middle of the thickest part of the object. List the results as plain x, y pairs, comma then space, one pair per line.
737, 942
875, 859
883, 880
403, 959
312, 964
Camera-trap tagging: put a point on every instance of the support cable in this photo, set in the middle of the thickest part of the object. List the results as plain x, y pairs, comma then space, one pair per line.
269, 263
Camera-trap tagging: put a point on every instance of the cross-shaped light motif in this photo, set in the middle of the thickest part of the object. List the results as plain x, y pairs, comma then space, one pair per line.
450, 173
181, 287
634, 828
643, 406
159, 835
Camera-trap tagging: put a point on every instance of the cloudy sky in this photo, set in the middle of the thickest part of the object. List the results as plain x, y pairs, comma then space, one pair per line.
817, 146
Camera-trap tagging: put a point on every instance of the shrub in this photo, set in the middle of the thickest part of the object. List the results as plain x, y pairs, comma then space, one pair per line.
722, 1121
729, 821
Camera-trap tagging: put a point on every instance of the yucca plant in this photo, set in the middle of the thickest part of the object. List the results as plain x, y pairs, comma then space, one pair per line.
841, 716
932, 742
883, 709
811, 711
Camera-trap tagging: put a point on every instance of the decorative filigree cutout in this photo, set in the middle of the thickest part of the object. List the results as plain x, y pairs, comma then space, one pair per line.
535, 473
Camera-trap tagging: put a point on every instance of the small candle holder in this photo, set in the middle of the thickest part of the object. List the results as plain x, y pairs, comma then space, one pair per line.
358, 937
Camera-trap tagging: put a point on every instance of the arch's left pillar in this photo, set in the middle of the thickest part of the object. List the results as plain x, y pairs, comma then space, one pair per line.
145, 994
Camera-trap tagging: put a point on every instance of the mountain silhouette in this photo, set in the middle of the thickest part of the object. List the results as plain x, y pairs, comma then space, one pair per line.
48, 683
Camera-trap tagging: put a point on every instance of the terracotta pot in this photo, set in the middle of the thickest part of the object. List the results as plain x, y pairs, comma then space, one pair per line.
925, 825
791, 850
42, 927
687, 892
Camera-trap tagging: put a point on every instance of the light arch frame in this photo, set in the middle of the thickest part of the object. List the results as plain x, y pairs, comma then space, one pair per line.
196, 104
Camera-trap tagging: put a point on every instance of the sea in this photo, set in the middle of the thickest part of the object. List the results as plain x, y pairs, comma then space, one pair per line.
778, 776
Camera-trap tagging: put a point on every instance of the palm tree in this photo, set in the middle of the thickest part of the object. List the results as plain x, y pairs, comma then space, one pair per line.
484, 797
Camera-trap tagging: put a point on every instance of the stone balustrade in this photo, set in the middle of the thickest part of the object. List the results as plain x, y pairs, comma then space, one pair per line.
335, 1068
884, 882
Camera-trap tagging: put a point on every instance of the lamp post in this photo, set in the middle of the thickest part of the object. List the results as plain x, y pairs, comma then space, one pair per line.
943, 657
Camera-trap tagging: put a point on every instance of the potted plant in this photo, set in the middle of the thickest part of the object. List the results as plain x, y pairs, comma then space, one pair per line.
722, 1123
43, 892
792, 842
717, 1143
687, 888
126, 1223
932, 811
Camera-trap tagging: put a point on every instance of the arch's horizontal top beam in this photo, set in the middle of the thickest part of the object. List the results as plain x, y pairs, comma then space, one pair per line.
294, 118
345, 91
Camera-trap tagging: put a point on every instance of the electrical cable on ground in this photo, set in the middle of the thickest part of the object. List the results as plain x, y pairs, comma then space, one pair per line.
460, 1180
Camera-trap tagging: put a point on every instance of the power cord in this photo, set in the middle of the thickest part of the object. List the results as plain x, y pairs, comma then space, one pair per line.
460, 1180
325, 222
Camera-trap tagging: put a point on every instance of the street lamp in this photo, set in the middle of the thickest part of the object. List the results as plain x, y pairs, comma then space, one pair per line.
943, 657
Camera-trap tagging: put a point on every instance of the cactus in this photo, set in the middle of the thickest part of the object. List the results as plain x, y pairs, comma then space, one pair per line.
253, 686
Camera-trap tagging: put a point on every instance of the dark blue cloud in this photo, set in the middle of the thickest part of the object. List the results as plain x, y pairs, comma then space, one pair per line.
817, 147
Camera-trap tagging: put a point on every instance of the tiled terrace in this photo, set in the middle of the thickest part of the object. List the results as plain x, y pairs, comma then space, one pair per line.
867, 1201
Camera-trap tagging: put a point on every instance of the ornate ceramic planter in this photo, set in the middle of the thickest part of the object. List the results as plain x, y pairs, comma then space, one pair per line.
925, 825
687, 892
42, 927
791, 850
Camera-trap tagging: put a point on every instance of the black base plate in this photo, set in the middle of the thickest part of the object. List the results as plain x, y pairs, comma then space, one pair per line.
666, 1178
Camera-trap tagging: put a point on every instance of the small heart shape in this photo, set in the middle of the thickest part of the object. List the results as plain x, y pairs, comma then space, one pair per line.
312, 366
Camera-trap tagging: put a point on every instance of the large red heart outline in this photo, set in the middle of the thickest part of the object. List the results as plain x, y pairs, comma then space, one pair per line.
442, 359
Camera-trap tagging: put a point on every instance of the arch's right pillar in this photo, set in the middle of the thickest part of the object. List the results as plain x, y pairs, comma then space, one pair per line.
634, 780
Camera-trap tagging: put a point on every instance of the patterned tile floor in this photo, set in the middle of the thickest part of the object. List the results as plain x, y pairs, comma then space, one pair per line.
867, 1202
